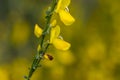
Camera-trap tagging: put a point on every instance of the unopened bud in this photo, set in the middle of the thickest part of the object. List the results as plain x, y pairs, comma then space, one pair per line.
49, 57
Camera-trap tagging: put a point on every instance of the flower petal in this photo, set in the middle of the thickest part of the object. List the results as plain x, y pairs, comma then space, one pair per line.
65, 17
61, 44
54, 33
37, 31
62, 4
65, 3
57, 31
53, 23
58, 5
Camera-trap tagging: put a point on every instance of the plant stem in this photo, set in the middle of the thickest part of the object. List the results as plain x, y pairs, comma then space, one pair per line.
38, 57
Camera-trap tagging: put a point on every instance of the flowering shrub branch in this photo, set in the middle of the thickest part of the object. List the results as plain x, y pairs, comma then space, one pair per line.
52, 29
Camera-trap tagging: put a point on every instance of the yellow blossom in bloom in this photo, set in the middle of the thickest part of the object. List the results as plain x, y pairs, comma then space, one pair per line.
61, 44
37, 31
62, 10
58, 43
54, 33
65, 17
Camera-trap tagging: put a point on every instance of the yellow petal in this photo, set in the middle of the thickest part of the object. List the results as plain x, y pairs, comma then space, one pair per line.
53, 23
57, 31
54, 33
61, 44
37, 31
65, 17
62, 4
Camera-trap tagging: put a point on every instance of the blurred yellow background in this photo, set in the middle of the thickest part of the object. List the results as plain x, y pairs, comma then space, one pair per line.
94, 38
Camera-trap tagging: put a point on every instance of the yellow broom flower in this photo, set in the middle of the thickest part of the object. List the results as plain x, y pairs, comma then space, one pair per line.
58, 43
54, 33
61, 44
37, 31
65, 17
62, 10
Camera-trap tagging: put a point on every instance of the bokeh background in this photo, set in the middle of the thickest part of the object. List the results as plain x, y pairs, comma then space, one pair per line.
95, 40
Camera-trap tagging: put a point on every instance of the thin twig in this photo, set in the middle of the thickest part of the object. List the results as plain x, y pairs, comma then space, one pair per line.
38, 57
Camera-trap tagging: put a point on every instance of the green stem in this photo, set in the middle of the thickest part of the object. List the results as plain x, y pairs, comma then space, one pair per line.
38, 57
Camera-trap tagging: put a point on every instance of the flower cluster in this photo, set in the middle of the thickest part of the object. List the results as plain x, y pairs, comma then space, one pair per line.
52, 29
55, 39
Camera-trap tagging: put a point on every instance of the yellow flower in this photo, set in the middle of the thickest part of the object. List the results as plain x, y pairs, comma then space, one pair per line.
65, 17
54, 33
37, 31
63, 11
61, 44
58, 43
